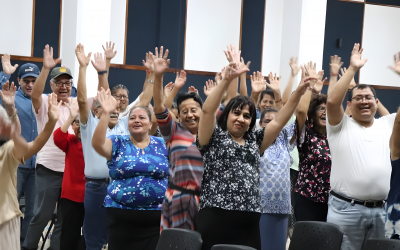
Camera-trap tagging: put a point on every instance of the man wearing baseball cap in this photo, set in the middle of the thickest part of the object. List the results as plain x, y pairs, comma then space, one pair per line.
27, 75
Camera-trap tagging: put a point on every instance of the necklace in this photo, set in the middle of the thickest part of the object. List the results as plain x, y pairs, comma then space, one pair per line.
137, 144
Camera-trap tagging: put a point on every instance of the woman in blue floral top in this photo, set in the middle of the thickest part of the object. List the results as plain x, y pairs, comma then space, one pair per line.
275, 185
230, 206
138, 166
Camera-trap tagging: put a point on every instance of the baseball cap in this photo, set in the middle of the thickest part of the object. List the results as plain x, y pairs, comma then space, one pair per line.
28, 69
56, 72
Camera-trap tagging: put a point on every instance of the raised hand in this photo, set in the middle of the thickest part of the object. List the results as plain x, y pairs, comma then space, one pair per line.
336, 64
355, 60
99, 62
293, 65
149, 63
317, 88
6, 64
242, 65
210, 85
232, 71
80, 55
274, 82
54, 107
48, 60
73, 107
232, 55
218, 76
258, 82
8, 94
320, 75
107, 102
193, 89
396, 67
311, 69
352, 83
180, 79
161, 63
109, 51
306, 82
168, 88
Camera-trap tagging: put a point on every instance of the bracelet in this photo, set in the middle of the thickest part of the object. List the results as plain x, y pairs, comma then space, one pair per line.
12, 116
149, 80
333, 74
148, 72
102, 72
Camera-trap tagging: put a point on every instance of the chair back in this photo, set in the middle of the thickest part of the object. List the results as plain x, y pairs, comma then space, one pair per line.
316, 235
231, 247
179, 239
383, 244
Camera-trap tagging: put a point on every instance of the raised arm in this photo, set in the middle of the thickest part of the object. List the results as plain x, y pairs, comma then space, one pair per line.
243, 85
233, 56
110, 53
8, 69
207, 118
73, 113
40, 83
81, 89
100, 143
99, 64
395, 138
53, 114
335, 65
347, 111
275, 85
273, 128
334, 107
180, 81
161, 64
258, 84
289, 86
210, 85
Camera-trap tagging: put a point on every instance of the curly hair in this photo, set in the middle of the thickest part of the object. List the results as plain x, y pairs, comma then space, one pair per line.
318, 100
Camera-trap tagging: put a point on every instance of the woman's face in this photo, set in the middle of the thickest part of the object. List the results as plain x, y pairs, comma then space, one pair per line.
238, 121
268, 117
139, 121
320, 116
266, 102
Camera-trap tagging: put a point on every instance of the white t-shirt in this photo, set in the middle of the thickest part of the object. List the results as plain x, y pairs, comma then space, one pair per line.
361, 165
130, 106
50, 155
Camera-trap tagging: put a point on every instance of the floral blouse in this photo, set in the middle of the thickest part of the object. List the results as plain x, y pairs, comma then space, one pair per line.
275, 174
314, 166
139, 177
231, 178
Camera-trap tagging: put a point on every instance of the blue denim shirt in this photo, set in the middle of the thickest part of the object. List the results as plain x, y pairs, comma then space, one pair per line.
27, 118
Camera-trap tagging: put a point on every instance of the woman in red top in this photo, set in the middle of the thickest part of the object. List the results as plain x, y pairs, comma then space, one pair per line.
73, 186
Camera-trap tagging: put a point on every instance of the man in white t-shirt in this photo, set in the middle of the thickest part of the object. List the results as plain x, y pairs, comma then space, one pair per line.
360, 175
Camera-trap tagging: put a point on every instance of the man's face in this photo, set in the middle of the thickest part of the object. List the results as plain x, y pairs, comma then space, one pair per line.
61, 86
363, 105
27, 84
121, 95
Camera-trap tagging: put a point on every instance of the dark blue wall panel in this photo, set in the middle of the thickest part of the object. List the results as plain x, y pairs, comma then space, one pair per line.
47, 26
252, 32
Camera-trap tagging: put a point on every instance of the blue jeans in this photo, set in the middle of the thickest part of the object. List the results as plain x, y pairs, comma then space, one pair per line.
273, 231
95, 223
26, 187
359, 223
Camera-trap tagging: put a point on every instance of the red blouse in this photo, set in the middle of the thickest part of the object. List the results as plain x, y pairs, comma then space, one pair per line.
73, 186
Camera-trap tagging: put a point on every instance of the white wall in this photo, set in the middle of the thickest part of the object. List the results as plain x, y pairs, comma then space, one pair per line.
211, 26
16, 27
380, 43
117, 28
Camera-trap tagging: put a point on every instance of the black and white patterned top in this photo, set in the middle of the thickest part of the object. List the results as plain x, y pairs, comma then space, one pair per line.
231, 178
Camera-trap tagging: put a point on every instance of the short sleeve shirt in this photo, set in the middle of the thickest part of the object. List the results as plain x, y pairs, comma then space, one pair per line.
231, 178
139, 176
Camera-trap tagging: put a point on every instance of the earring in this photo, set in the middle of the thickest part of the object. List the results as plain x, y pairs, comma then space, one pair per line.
312, 123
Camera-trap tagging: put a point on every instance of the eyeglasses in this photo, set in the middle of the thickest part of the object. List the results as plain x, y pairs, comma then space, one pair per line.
67, 84
119, 97
76, 122
321, 109
359, 98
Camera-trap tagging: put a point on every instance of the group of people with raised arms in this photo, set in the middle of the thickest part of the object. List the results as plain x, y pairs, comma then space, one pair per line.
122, 172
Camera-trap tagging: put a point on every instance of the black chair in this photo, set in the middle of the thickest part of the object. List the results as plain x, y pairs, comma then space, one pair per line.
179, 239
382, 244
231, 247
316, 235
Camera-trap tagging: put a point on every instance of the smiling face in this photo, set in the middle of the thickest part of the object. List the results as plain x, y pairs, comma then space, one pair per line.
62, 92
139, 121
363, 105
27, 84
267, 102
189, 114
76, 128
320, 116
238, 121
268, 117
123, 102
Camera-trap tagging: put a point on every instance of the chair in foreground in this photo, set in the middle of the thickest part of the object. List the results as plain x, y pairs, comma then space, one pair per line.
179, 239
316, 235
382, 244
231, 247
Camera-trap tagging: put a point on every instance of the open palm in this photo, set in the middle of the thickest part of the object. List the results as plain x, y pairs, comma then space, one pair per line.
54, 107
80, 55
109, 51
180, 79
396, 67
355, 59
257, 82
6, 64
8, 94
48, 60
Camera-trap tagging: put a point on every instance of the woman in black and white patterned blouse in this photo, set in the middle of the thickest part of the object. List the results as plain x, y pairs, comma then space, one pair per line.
230, 197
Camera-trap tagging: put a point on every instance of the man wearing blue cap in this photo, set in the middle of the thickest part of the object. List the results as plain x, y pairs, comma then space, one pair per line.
27, 75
